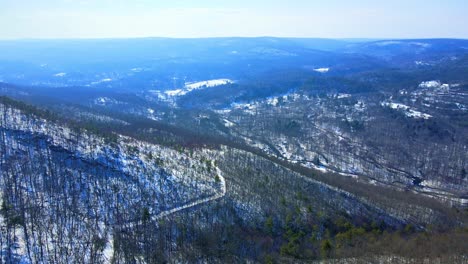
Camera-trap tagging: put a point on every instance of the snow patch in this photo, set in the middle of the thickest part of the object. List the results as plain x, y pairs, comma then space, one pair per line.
177, 92
223, 111
102, 81
322, 70
430, 84
421, 44
228, 123
388, 43
103, 100
340, 96
421, 63
197, 85
407, 110
210, 83
246, 107
273, 101
434, 84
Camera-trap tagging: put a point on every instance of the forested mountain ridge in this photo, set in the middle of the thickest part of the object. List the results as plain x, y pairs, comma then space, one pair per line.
73, 181
63, 186
238, 150
336, 132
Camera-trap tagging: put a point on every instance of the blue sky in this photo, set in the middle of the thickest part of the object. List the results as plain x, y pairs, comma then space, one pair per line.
218, 18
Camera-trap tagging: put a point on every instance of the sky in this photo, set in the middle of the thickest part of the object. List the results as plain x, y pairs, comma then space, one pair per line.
244, 18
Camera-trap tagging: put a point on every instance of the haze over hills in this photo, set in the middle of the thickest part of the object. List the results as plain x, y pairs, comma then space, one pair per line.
228, 150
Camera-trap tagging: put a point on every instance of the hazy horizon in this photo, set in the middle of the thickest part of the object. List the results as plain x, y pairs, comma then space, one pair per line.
104, 19
357, 39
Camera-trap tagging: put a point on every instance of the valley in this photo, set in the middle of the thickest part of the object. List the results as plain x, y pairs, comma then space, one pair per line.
233, 150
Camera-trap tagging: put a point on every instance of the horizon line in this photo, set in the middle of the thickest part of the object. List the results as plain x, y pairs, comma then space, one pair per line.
363, 39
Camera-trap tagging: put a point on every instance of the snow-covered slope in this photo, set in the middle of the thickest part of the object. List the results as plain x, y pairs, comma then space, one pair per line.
107, 181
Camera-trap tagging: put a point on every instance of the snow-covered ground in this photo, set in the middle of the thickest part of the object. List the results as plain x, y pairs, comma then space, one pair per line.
102, 100
246, 107
137, 70
421, 44
387, 43
105, 80
434, 84
273, 101
210, 83
422, 63
322, 70
191, 183
177, 92
429, 84
340, 96
197, 86
406, 110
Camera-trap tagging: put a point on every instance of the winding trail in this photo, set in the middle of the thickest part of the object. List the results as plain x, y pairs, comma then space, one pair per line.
195, 203
109, 250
